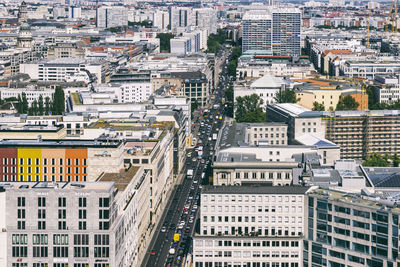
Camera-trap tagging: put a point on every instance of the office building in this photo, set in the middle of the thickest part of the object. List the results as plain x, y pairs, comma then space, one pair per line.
250, 225
274, 29
351, 229
358, 133
98, 224
58, 160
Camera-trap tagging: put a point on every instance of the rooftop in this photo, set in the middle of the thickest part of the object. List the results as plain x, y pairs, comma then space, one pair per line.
255, 188
61, 143
122, 179
81, 186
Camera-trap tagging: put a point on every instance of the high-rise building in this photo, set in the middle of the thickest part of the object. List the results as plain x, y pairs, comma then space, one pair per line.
277, 30
351, 229
111, 16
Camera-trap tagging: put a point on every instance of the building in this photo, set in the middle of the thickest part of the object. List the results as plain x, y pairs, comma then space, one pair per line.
64, 69
369, 68
76, 223
273, 29
352, 229
24, 39
265, 87
58, 160
26, 132
358, 133
266, 157
328, 93
31, 93
65, 50
250, 225
111, 16
255, 64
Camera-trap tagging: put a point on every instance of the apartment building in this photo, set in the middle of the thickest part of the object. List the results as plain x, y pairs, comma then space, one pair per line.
65, 50
111, 16
351, 229
250, 225
274, 29
58, 160
47, 224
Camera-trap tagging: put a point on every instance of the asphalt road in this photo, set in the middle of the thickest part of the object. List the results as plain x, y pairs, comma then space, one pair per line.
186, 196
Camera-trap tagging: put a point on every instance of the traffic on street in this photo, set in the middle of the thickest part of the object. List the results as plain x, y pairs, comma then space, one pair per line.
173, 238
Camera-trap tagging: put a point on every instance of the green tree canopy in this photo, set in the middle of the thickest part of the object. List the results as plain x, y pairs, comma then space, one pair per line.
286, 96
144, 23
249, 109
25, 105
40, 105
47, 105
347, 103
375, 160
165, 41
215, 41
58, 106
318, 106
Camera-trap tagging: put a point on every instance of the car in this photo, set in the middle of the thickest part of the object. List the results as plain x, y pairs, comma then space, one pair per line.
163, 229
195, 206
190, 197
174, 244
191, 220
153, 252
194, 159
195, 181
180, 226
172, 226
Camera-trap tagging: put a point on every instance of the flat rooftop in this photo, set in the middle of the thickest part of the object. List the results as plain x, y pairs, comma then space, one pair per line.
81, 186
61, 143
375, 201
122, 179
255, 188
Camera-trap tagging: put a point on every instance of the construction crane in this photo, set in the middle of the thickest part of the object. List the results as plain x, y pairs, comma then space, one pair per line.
368, 33
391, 18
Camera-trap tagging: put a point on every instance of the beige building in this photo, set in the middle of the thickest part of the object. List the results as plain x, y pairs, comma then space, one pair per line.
61, 50
324, 93
25, 132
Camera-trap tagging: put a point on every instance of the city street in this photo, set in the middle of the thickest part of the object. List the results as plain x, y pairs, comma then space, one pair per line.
184, 204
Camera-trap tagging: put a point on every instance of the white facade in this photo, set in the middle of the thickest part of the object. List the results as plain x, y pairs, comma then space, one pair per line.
134, 92
243, 224
31, 93
62, 69
181, 45
111, 16
74, 12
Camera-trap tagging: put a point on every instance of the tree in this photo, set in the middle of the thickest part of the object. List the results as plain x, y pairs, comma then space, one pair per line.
165, 41
286, 96
195, 105
232, 67
347, 103
375, 160
47, 106
249, 109
229, 94
19, 104
215, 41
58, 101
318, 106
40, 105
25, 105
396, 160
229, 101
33, 110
